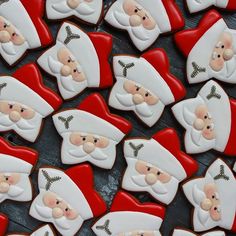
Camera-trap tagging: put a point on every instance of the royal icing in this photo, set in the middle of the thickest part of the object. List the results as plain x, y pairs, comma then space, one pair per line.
22, 31
181, 232
145, 20
89, 11
210, 50
157, 165
196, 5
144, 85
78, 60
16, 164
208, 120
24, 110
3, 224
67, 198
127, 216
90, 134
213, 198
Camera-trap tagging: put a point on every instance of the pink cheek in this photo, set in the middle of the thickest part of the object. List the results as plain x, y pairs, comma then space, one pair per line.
11, 181
215, 215
217, 64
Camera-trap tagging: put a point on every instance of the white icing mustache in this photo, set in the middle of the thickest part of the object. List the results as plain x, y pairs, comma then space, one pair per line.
67, 83
188, 116
158, 187
46, 213
127, 101
122, 18
14, 191
8, 48
82, 9
97, 154
198, 195
231, 66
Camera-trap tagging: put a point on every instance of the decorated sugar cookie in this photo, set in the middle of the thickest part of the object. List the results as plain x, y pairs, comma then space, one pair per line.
145, 20
210, 50
16, 164
128, 216
157, 165
89, 11
181, 232
196, 5
22, 28
144, 85
90, 133
213, 198
25, 101
208, 120
78, 60
67, 198
3, 224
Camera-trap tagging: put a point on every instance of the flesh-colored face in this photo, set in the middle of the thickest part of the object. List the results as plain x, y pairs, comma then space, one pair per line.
222, 52
75, 3
7, 180
138, 15
70, 65
138, 233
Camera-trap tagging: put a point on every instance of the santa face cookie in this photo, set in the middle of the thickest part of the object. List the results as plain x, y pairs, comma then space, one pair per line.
144, 85
145, 20
3, 224
181, 232
89, 11
196, 5
22, 31
208, 120
78, 60
24, 110
67, 198
16, 164
214, 198
90, 133
210, 50
127, 216
157, 165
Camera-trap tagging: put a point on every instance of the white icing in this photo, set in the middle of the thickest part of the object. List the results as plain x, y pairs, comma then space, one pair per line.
180, 232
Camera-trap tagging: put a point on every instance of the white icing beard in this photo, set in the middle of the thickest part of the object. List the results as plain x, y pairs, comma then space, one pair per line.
102, 157
28, 129
141, 37
133, 181
67, 86
64, 226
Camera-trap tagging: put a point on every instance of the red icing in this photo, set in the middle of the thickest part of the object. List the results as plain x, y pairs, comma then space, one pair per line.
25, 154
31, 77
159, 60
231, 5
231, 147
126, 202
175, 16
35, 9
3, 224
82, 176
233, 229
96, 105
168, 138
103, 45
186, 39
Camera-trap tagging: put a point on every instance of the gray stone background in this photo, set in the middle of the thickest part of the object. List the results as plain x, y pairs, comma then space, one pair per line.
108, 182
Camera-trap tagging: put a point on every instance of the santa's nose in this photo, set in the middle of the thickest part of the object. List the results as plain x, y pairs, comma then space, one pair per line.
137, 99
88, 147
199, 124
5, 37
65, 70
4, 187
57, 212
206, 204
14, 116
151, 178
73, 3
228, 54
135, 20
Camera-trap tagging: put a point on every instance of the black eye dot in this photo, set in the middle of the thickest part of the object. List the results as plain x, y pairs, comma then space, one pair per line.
69, 61
7, 178
213, 197
137, 89
158, 173
22, 110
215, 208
14, 34
5, 26
57, 202
95, 140
223, 46
84, 139
205, 117
10, 106
218, 56
67, 209
146, 95
208, 127
75, 70
136, 10
144, 18
148, 168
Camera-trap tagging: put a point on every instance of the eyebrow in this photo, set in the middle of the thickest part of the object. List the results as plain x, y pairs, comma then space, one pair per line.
138, 8
147, 15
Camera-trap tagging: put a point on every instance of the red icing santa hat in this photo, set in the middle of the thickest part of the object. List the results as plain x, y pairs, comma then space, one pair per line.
76, 187
27, 16
198, 44
26, 87
127, 215
195, 5
3, 224
16, 159
93, 116
167, 14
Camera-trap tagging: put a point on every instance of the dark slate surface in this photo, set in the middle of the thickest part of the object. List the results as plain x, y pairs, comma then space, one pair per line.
107, 182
